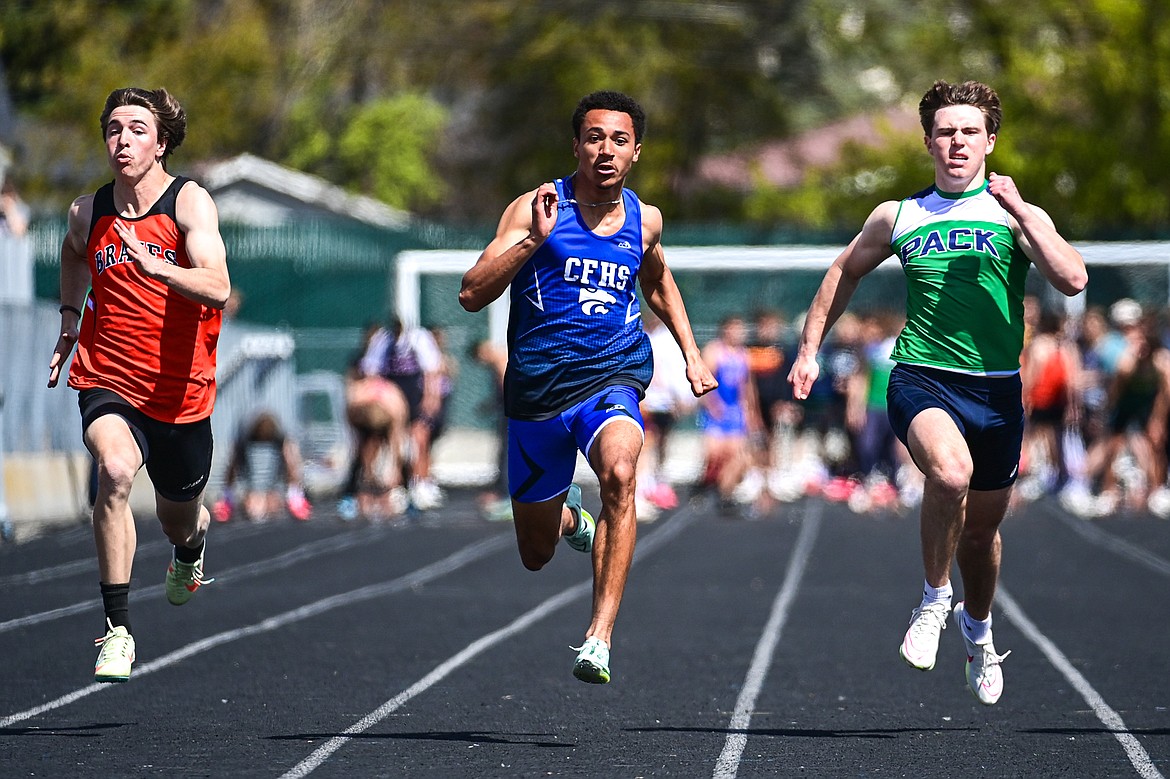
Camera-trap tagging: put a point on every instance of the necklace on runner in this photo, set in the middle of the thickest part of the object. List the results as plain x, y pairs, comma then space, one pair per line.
572, 200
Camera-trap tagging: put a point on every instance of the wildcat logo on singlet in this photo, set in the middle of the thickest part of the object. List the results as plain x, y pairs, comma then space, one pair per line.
595, 301
956, 239
109, 256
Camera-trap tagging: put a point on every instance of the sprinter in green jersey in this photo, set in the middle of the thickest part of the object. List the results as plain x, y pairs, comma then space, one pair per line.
954, 397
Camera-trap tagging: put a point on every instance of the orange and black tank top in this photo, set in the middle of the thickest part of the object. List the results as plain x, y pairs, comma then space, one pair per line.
138, 338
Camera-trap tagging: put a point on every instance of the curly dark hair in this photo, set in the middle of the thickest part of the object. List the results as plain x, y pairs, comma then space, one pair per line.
168, 114
972, 93
606, 100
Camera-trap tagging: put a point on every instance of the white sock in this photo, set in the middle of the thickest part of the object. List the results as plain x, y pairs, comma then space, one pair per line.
941, 594
976, 631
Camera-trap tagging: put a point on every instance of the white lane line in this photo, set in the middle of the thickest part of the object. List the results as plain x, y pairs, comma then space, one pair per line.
258, 568
660, 537
1109, 718
480, 548
89, 564
727, 766
1093, 533
59, 571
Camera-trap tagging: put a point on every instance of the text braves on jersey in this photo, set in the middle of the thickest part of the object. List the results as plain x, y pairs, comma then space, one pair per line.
108, 256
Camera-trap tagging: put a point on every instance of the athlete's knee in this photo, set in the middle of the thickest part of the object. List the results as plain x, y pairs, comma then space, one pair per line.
115, 475
949, 473
533, 560
535, 553
618, 478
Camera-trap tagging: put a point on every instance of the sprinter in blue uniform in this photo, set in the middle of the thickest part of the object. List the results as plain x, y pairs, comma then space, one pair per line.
574, 251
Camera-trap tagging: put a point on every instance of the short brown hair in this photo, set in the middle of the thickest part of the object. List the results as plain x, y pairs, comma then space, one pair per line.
972, 93
168, 114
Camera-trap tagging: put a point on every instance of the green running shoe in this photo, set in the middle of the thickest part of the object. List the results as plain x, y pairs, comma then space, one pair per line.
592, 663
117, 655
184, 578
580, 539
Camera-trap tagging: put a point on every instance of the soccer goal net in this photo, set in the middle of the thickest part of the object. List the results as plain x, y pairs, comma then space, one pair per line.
718, 281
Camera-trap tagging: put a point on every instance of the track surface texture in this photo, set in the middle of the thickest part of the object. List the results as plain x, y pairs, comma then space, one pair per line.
421, 647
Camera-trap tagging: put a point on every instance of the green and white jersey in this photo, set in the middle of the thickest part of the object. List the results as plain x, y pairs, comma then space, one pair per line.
964, 283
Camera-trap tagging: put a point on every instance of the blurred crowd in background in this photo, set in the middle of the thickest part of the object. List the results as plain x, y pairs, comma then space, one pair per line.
1096, 403
1096, 399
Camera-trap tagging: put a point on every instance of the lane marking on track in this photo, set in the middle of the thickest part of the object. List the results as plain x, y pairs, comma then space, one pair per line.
89, 564
479, 549
1109, 718
251, 570
660, 537
727, 766
1093, 533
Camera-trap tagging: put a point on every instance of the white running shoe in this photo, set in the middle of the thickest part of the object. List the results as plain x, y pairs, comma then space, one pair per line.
426, 495
919, 647
984, 676
116, 659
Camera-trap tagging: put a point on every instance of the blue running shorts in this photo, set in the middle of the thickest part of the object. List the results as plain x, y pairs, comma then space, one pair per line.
988, 411
542, 456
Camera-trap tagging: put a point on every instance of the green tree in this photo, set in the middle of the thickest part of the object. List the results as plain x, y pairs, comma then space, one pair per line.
1084, 86
387, 146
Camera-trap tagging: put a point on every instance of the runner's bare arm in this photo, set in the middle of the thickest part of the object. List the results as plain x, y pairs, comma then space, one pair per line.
207, 280
662, 295
862, 255
1061, 264
524, 226
75, 280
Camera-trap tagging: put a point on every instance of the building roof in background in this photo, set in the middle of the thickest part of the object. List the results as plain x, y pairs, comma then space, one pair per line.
253, 191
785, 163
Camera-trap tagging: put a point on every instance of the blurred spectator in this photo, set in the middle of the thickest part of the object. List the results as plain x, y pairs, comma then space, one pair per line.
768, 362
264, 473
1131, 453
408, 358
1124, 316
495, 501
1096, 368
377, 413
448, 374
1050, 368
825, 418
667, 398
730, 414
885, 473
14, 213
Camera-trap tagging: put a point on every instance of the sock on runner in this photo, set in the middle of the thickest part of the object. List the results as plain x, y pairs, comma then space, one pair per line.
941, 594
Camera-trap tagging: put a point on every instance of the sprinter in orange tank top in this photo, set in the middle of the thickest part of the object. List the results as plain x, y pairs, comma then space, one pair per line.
144, 260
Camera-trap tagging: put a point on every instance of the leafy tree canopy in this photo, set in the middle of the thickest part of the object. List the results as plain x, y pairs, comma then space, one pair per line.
450, 107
